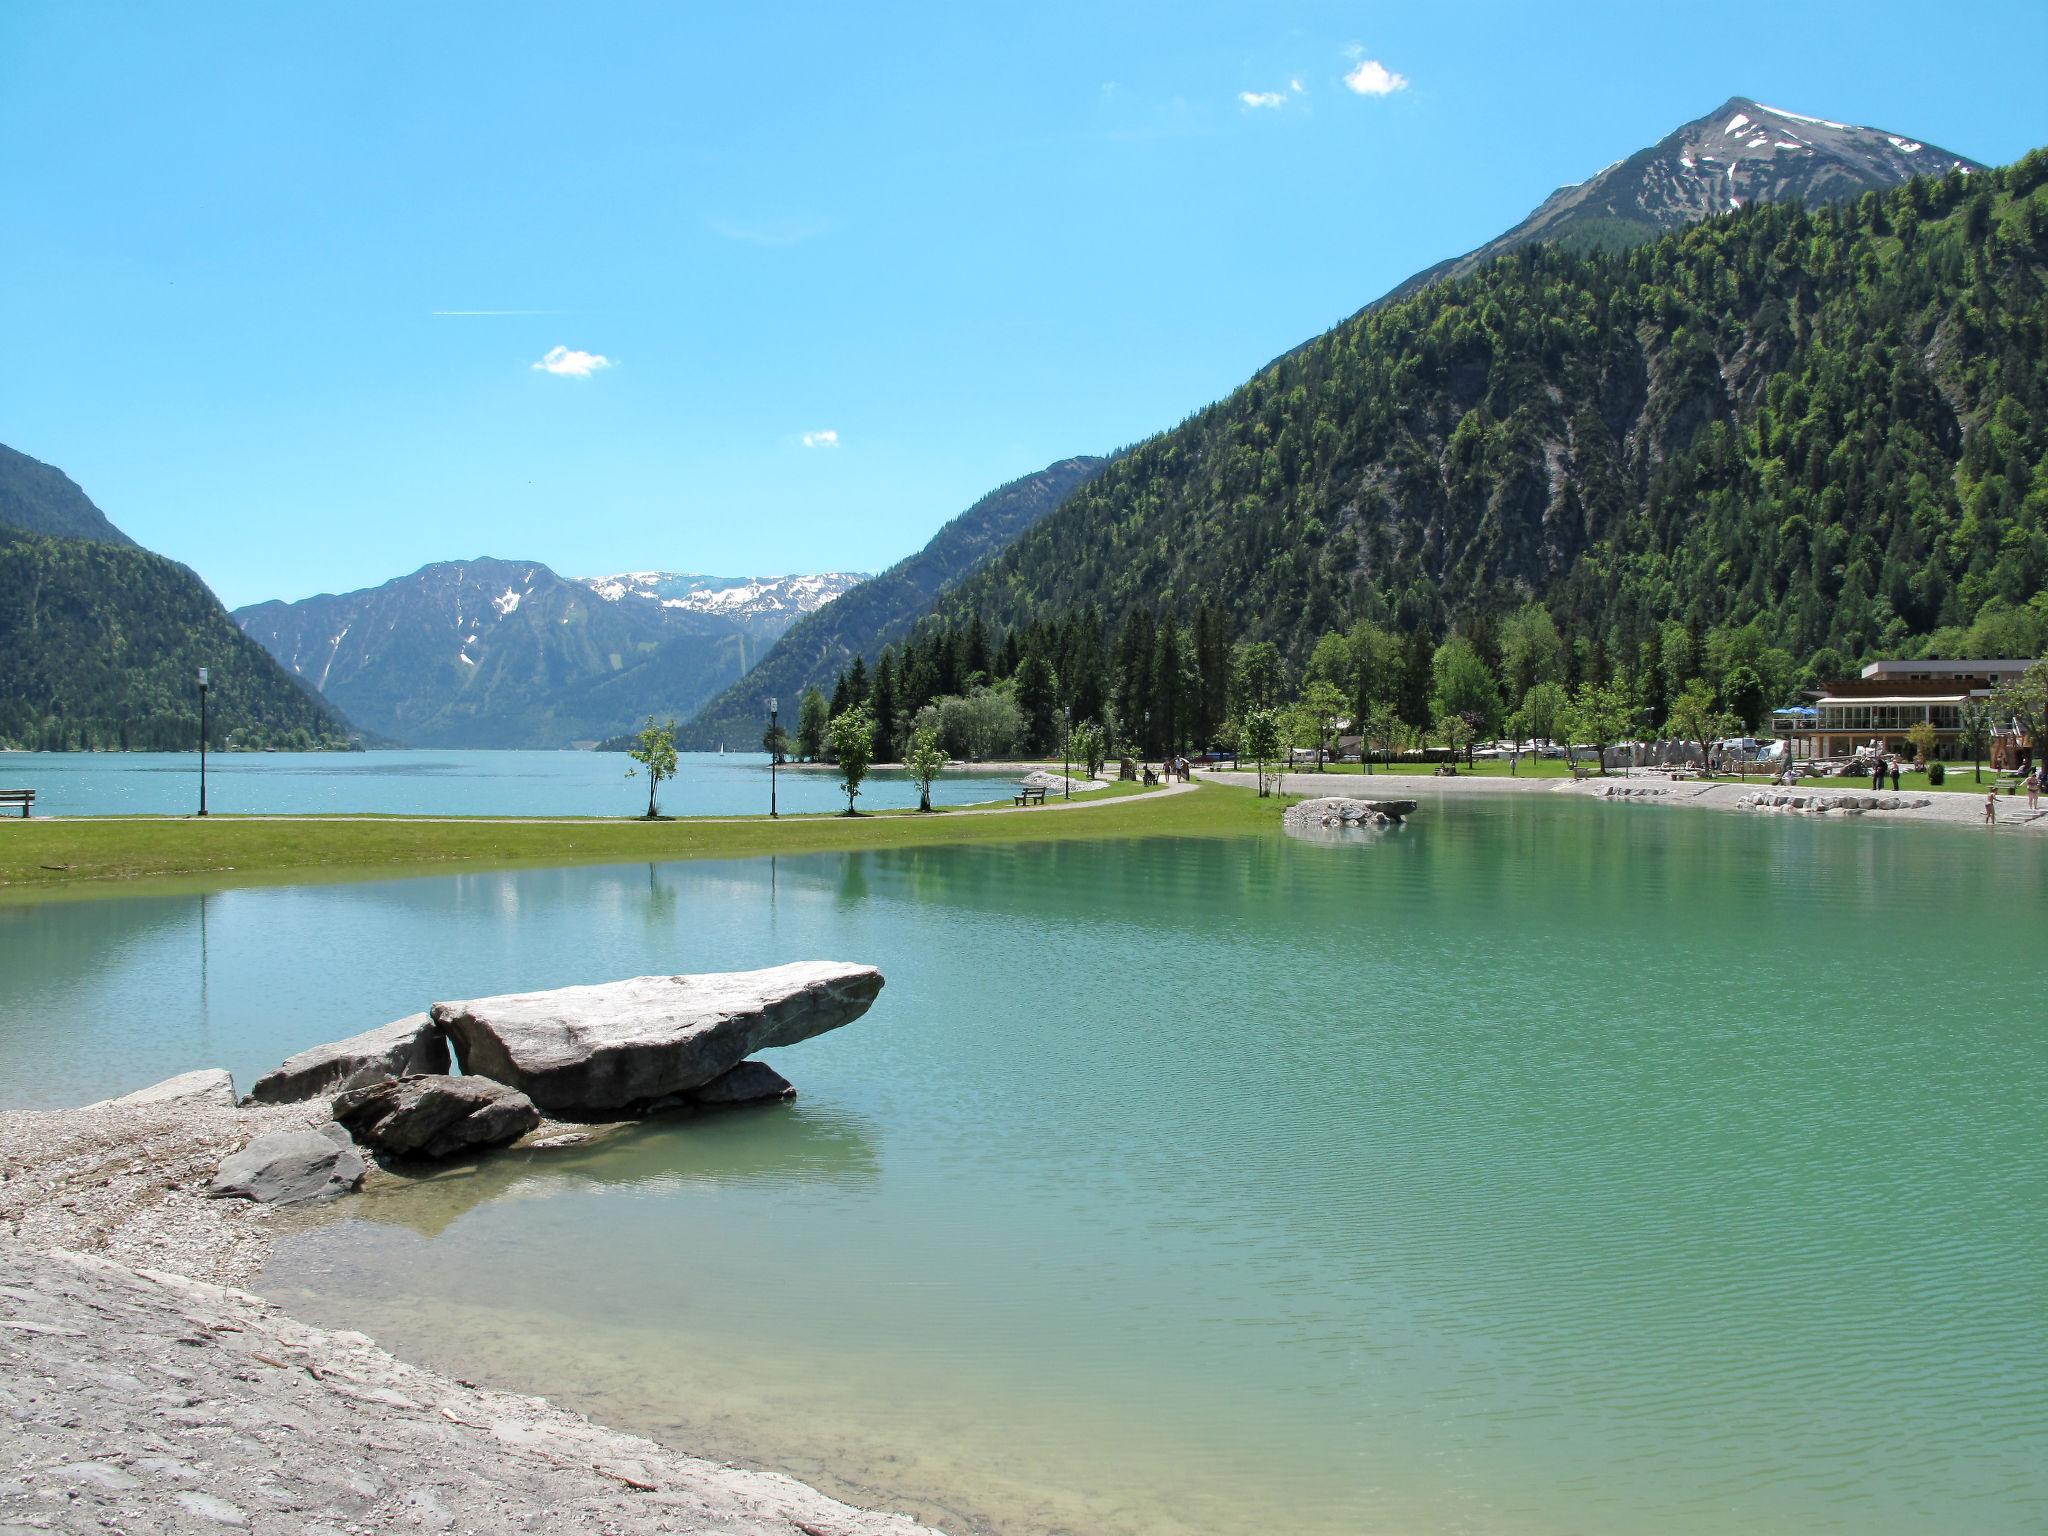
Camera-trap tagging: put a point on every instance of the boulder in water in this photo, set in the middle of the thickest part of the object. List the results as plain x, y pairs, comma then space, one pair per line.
408, 1047
624, 1046
435, 1116
751, 1082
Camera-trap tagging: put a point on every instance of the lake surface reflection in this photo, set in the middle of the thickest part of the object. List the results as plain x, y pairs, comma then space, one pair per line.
1541, 1166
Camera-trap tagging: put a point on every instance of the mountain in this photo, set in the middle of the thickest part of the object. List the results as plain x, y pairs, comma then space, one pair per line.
1738, 155
505, 653
101, 640
40, 498
881, 610
1831, 423
762, 606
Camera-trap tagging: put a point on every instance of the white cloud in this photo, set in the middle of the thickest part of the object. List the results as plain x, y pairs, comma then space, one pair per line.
1262, 98
1369, 77
829, 438
571, 364
1296, 86
768, 231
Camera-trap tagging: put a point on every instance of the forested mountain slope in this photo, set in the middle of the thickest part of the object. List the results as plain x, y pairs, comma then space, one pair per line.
40, 498
880, 611
100, 646
1831, 421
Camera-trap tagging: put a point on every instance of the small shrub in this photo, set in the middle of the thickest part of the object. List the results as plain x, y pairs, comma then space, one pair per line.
1937, 772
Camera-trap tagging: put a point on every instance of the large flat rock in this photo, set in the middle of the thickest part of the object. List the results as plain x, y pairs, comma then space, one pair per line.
623, 1045
407, 1047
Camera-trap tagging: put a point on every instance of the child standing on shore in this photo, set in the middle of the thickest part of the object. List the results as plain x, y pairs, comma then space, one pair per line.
1991, 808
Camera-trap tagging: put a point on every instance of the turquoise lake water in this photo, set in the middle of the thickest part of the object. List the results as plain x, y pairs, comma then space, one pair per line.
1543, 1166
420, 783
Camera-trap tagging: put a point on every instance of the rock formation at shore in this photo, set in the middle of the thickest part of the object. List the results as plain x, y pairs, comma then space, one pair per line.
624, 1047
1339, 811
435, 1116
408, 1047
291, 1168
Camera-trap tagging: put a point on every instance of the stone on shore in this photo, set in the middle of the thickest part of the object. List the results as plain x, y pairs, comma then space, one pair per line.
211, 1088
408, 1047
751, 1082
432, 1117
623, 1046
1345, 811
291, 1168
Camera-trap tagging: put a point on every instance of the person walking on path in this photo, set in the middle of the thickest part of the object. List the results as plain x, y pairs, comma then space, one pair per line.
1877, 775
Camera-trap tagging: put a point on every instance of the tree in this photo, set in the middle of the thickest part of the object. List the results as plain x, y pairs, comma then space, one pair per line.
924, 760
1038, 688
882, 704
775, 742
654, 749
1599, 715
1696, 717
1531, 650
1974, 721
1299, 730
1333, 661
1384, 730
1089, 747
1254, 677
851, 737
1463, 684
1455, 732
1542, 707
2025, 703
1323, 702
1921, 734
812, 715
1259, 740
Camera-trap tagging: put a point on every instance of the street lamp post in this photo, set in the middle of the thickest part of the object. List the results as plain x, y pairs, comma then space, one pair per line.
774, 755
1066, 752
202, 741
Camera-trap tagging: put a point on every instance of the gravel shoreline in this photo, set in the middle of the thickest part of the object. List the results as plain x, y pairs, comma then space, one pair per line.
141, 1393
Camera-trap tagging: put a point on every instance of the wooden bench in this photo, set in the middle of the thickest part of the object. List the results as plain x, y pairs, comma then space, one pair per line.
1030, 796
21, 797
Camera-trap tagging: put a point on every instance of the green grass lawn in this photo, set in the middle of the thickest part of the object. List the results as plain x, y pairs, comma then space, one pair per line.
41, 858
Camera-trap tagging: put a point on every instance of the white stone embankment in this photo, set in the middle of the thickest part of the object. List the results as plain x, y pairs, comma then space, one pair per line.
1940, 807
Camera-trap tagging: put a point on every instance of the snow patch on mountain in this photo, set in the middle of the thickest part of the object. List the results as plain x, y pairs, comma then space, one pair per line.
733, 597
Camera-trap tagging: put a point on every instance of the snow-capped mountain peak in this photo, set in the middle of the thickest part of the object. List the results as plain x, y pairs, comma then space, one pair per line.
733, 597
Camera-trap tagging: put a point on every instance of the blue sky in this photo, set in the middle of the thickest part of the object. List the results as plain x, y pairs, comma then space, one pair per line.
965, 240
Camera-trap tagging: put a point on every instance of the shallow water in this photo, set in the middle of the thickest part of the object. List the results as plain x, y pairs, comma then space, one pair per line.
422, 783
1542, 1166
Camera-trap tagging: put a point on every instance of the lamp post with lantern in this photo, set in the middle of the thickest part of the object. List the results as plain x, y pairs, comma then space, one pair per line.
202, 741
